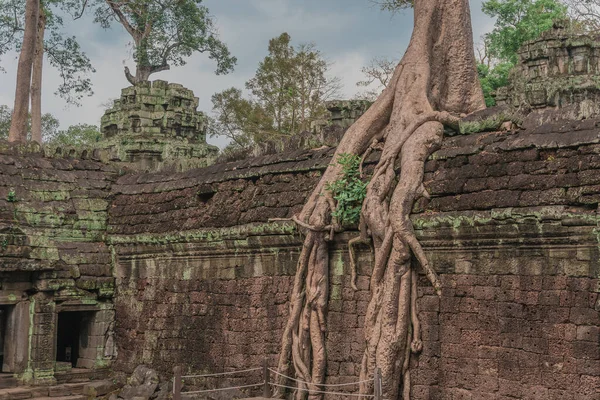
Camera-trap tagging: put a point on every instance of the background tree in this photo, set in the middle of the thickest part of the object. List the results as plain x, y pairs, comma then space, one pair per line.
273, 83
289, 91
242, 121
434, 83
5, 116
49, 125
18, 125
63, 52
165, 33
75, 135
312, 87
587, 12
292, 84
517, 21
377, 76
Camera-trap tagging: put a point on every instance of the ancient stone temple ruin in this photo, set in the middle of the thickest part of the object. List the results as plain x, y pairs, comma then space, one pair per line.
558, 70
156, 126
103, 271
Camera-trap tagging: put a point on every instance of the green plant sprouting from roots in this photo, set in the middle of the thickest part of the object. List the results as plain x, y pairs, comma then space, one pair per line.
349, 190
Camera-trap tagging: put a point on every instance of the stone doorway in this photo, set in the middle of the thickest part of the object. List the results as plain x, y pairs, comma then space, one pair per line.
10, 332
3, 318
72, 336
7, 379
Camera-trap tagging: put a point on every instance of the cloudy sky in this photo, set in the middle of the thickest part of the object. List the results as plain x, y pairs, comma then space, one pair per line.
348, 32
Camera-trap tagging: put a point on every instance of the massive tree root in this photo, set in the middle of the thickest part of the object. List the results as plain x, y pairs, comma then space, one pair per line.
434, 84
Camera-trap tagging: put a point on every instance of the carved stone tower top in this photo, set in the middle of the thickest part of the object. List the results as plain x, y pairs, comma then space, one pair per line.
560, 70
156, 126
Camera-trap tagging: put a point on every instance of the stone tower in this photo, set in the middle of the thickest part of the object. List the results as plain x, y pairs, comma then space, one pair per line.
155, 126
557, 72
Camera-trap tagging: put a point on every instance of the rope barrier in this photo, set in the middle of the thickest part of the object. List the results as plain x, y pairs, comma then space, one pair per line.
178, 380
323, 392
223, 373
222, 389
319, 384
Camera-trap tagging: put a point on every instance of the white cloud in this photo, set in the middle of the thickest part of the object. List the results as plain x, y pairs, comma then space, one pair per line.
347, 66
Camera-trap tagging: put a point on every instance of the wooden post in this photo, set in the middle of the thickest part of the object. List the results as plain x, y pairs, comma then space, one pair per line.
377, 384
266, 387
177, 383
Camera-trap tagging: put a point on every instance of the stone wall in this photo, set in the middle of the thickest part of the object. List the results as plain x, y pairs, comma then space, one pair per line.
195, 268
204, 266
53, 259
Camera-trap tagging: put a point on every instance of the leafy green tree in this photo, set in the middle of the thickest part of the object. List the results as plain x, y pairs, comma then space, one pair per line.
243, 121
517, 21
5, 116
76, 135
165, 33
493, 78
63, 53
289, 91
49, 124
18, 124
273, 83
292, 84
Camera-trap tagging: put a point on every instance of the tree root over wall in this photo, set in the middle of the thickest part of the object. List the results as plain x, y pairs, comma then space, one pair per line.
435, 83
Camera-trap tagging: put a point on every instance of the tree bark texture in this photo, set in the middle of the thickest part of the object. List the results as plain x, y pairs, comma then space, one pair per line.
142, 73
18, 124
433, 85
36, 80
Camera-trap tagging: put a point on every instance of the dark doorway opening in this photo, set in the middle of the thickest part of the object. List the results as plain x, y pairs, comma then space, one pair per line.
68, 333
3, 323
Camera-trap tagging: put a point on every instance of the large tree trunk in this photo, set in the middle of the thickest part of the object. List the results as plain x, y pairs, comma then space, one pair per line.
36, 80
435, 82
142, 73
18, 124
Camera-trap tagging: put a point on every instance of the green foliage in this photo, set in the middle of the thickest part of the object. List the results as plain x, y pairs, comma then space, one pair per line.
12, 196
63, 52
289, 91
167, 32
81, 134
493, 78
241, 120
349, 190
291, 85
49, 124
76, 135
518, 21
5, 116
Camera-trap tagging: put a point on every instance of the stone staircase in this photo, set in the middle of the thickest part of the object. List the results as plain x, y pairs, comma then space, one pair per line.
7, 381
87, 390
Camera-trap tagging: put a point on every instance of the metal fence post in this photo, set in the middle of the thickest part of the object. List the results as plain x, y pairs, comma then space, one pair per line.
266, 387
377, 384
177, 383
